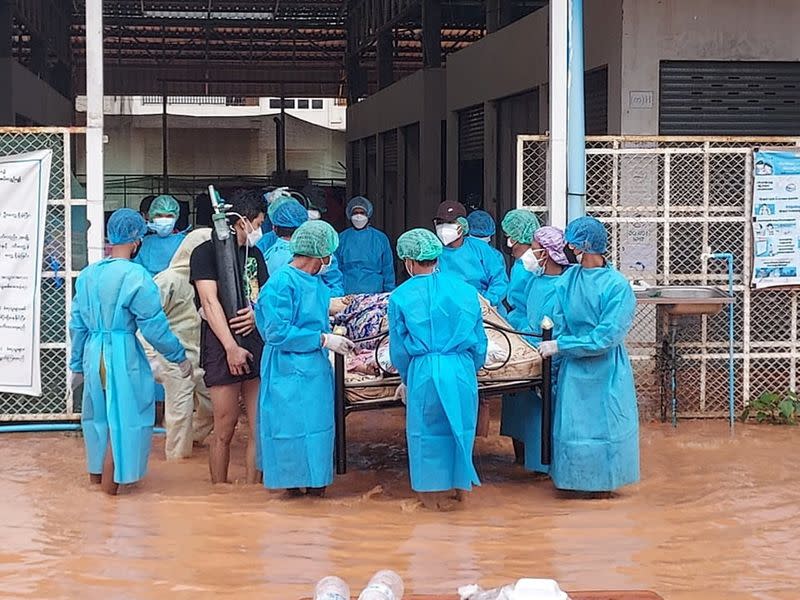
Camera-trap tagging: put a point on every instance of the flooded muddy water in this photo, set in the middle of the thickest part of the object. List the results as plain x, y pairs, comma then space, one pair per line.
715, 517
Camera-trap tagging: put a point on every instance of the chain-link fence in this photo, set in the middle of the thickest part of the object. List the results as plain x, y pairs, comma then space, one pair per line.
64, 255
666, 202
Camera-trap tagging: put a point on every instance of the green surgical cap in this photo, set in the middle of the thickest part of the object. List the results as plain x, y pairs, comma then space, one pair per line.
419, 245
464, 224
164, 205
316, 239
520, 225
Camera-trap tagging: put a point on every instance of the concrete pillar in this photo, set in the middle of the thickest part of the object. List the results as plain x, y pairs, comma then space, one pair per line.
492, 15
431, 34
399, 216
430, 164
385, 59
362, 167
452, 155
38, 64
379, 199
7, 116
490, 157
351, 168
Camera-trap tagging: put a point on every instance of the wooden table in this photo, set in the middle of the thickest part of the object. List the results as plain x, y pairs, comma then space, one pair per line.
587, 595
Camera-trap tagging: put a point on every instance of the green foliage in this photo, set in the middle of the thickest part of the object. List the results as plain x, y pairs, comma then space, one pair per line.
774, 408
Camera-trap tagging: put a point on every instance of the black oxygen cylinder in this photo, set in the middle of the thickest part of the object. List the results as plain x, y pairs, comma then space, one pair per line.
230, 284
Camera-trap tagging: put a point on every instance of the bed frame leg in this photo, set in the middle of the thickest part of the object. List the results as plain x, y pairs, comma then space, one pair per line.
339, 414
547, 403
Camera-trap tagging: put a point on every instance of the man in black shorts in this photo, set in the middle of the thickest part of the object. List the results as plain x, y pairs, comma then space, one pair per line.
232, 369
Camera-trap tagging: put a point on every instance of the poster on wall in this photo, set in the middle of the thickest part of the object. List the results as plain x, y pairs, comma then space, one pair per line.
776, 218
24, 186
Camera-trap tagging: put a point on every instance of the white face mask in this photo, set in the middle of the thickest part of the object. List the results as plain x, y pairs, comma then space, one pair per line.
359, 221
531, 263
448, 232
254, 235
163, 226
484, 239
324, 267
510, 243
314, 215
409, 267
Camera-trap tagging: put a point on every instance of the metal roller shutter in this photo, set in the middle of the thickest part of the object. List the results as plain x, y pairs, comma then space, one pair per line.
595, 93
470, 133
390, 150
729, 98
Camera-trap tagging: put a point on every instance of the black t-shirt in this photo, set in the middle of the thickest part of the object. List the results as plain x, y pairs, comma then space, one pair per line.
203, 267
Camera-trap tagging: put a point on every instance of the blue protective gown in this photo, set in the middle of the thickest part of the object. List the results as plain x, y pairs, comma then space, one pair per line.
437, 343
114, 298
596, 420
280, 255
267, 241
366, 261
156, 252
540, 301
479, 265
296, 397
513, 415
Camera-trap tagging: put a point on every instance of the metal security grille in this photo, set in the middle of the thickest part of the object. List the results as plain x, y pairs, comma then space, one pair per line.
64, 253
692, 195
729, 98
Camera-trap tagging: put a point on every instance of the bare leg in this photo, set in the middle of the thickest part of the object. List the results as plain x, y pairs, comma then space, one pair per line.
225, 399
482, 429
107, 484
250, 394
519, 452
95, 478
159, 414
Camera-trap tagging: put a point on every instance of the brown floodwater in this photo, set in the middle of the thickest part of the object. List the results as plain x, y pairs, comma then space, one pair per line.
715, 517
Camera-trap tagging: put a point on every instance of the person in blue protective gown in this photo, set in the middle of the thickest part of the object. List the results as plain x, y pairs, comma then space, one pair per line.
596, 421
296, 426
160, 246
481, 225
365, 256
287, 216
267, 228
115, 298
519, 226
437, 343
550, 261
468, 259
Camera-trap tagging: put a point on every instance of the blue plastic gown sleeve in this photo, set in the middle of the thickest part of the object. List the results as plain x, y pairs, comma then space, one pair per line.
389, 282
614, 323
152, 322
478, 351
334, 279
78, 332
497, 277
275, 321
398, 332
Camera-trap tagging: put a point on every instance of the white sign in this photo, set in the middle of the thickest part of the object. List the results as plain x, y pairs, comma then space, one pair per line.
24, 186
640, 100
776, 218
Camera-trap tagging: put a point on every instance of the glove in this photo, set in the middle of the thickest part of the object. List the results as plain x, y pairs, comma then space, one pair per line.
548, 349
75, 381
337, 343
400, 393
186, 368
158, 371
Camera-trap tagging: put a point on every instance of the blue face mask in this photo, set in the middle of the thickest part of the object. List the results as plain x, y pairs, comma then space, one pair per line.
163, 226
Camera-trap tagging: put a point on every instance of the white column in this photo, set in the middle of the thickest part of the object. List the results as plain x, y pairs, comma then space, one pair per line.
557, 173
94, 128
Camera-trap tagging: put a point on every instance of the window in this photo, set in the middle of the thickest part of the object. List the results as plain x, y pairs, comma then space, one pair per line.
276, 103
316, 104
302, 104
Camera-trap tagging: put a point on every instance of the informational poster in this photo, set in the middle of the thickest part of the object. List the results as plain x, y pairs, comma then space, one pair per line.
776, 218
24, 186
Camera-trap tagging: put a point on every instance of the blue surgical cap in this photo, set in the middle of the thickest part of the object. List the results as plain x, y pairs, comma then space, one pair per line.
289, 214
125, 226
481, 224
359, 202
587, 234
